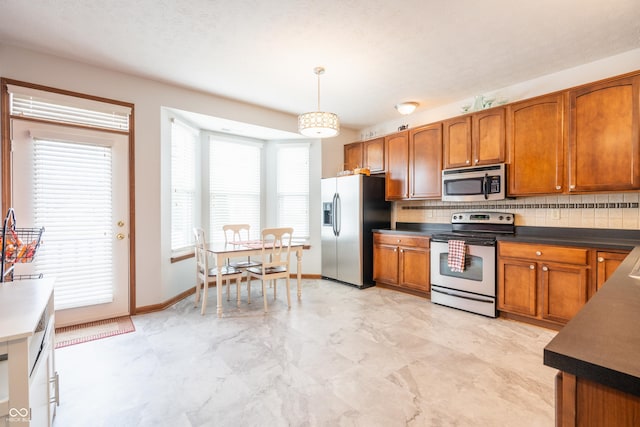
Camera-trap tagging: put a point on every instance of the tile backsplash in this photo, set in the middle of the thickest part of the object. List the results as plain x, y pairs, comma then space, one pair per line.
614, 210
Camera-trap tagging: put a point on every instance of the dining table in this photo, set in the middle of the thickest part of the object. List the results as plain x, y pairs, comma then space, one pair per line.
224, 251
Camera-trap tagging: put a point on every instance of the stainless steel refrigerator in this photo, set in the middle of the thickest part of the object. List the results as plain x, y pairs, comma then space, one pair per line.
352, 206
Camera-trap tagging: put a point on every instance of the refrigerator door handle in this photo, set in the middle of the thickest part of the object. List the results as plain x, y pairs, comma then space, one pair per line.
338, 214
334, 224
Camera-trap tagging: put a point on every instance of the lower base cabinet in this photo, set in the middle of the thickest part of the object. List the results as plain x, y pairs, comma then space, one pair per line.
402, 262
549, 284
542, 282
584, 403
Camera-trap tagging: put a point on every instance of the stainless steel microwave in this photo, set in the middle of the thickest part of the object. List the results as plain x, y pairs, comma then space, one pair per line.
477, 183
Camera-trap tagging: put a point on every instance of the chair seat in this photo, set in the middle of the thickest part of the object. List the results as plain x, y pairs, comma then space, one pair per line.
269, 270
225, 271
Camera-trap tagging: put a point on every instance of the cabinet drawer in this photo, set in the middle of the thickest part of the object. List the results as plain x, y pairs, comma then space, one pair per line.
401, 240
569, 255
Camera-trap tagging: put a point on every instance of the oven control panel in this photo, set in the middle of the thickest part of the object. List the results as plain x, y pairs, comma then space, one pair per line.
482, 218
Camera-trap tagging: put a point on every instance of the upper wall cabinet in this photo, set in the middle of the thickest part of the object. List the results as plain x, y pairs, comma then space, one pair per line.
367, 154
535, 142
604, 152
397, 156
425, 162
373, 155
352, 156
476, 139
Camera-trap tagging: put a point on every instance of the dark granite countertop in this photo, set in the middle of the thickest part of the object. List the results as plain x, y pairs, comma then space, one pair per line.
597, 238
602, 342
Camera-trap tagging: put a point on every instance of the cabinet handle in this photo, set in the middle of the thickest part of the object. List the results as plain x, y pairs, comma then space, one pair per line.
600, 259
572, 186
558, 187
399, 241
55, 380
477, 161
395, 249
468, 161
532, 267
401, 251
538, 253
545, 268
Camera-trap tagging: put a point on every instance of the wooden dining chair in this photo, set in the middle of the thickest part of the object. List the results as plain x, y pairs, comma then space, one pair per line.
206, 275
276, 254
237, 233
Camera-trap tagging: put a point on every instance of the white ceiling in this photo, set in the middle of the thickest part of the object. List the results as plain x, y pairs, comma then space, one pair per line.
376, 52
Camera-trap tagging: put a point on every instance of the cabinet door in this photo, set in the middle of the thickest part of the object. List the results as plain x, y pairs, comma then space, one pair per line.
607, 263
352, 156
373, 155
456, 135
488, 137
397, 176
535, 138
564, 291
425, 162
604, 152
385, 264
414, 268
517, 286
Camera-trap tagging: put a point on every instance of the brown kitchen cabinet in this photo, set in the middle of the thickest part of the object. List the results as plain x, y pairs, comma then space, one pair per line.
402, 262
397, 158
604, 136
425, 162
535, 143
544, 283
475, 139
352, 156
366, 154
414, 163
606, 264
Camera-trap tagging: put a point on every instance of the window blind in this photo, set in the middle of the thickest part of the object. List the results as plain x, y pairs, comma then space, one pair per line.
293, 188
234, 186
73, 197
34, 103
184, 141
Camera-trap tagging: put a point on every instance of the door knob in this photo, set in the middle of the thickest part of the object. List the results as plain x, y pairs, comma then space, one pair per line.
532, 267
120, 236
545, 268
600, 259
120, 223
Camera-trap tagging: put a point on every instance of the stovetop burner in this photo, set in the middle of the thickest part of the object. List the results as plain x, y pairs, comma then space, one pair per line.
478, 227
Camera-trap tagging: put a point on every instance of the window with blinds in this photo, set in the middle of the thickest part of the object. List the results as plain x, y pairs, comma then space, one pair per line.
184, 141
72, 190
293, 188
234, 186
59, 108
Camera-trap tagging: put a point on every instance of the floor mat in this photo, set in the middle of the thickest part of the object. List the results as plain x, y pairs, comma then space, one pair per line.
76, 334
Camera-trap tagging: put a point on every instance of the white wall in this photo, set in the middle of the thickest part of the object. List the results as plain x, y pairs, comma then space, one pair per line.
157, 279
593, 71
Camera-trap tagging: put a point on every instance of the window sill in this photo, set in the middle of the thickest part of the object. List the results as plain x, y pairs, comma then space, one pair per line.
180, 256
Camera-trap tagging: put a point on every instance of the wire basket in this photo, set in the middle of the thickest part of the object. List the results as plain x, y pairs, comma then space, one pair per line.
21, 244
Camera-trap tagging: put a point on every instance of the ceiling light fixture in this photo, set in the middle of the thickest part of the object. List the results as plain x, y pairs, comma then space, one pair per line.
318, 124
406, 107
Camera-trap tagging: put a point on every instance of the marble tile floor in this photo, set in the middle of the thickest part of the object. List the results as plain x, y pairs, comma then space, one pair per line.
340, 357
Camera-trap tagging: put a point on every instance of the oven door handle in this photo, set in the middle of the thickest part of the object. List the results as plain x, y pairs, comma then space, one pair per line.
461, 296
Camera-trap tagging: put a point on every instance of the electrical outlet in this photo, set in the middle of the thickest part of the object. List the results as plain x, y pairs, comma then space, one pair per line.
555, 213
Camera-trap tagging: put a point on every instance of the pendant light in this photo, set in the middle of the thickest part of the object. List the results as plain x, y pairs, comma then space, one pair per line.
318, 124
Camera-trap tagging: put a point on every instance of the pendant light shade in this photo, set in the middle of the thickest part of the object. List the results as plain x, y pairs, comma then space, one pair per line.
319, 124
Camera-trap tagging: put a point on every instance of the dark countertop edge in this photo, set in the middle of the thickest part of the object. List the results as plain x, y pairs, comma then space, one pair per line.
598, 238
602, 342
599, 374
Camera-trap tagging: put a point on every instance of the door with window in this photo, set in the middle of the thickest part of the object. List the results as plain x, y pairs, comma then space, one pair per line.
74, 182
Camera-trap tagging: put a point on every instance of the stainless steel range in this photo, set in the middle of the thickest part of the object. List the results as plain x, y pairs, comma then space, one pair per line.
463, 262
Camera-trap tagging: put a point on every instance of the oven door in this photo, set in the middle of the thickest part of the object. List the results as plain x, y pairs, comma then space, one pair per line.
479, 275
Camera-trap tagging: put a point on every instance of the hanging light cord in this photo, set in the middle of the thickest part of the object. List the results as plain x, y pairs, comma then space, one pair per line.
318, 71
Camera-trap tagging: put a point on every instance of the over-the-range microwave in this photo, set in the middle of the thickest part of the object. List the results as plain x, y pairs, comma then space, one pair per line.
476, 183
